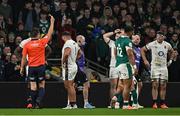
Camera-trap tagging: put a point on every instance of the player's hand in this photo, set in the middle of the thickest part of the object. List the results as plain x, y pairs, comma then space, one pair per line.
135, 71
21, 71
51, 18
147, 64
117, 31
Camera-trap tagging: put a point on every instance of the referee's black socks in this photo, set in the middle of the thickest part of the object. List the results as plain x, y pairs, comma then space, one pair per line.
40, 96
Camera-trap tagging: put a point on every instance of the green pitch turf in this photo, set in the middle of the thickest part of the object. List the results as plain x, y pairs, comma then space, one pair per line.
97, 111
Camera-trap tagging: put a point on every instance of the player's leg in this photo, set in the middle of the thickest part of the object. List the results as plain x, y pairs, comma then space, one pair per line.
33, 86
126, 75
41, 85
71, 92
163, 85
113, 81
155, 86
126, 92
29, 99
139, 88
86, 87
116, 88
134, 93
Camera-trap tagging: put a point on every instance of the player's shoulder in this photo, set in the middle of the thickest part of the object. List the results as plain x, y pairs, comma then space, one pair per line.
24, 42
167, 43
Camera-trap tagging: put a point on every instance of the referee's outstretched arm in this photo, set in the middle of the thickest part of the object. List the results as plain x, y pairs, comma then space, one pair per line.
51, 28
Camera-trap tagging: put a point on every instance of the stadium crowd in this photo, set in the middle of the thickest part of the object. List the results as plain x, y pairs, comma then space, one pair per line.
90, 18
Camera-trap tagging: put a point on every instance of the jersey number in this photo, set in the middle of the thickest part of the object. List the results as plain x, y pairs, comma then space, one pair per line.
119, 52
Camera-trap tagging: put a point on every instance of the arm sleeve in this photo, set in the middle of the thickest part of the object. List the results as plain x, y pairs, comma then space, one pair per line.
128, 45
149, 46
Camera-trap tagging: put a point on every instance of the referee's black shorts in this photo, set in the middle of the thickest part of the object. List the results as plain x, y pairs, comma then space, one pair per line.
36, 73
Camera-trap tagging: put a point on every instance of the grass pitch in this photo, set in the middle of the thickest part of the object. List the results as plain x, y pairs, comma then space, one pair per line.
97, 111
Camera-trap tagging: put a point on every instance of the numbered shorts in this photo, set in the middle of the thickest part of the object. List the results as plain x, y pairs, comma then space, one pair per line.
159, 73
69, 73
124, 71
36, 73
113, 74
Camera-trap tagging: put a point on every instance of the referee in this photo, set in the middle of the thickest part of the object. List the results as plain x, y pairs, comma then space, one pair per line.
35, 50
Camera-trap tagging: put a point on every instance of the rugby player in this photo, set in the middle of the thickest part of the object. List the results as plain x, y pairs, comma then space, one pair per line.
159, 72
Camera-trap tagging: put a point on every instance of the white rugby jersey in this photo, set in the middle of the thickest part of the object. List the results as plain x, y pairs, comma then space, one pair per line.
113, 57
159, 53
74, 51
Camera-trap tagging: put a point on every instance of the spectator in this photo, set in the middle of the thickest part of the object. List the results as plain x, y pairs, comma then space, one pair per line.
21, 32
107, 12
6, 11
2, 70
2, 22
43, 22
37, 8
74, 12
2, 44
28, 16
18, 41
66, 27
95, 77
84, 21
6, 52
12, 69
96, 9
175, 43
11, 41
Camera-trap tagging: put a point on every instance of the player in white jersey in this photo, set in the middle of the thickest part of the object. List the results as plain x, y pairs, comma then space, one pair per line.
112, 72
160, 50
70, 52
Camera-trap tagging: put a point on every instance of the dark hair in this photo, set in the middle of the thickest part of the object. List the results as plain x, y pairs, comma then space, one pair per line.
96, 75
128, 29
35, 31
66, 33
160, 33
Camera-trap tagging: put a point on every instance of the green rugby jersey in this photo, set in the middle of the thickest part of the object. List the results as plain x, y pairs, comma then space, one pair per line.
121, 44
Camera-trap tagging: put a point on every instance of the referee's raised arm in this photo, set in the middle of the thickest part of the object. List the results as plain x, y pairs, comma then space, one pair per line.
51, 28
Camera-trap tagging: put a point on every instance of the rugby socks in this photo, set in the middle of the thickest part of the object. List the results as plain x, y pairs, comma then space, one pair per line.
119, 98
162, 102
41, 93
86, 102
33, 96
154, 101
134, 95
29, 99
126, 103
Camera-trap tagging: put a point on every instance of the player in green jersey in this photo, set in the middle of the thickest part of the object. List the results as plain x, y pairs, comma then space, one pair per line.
125, 65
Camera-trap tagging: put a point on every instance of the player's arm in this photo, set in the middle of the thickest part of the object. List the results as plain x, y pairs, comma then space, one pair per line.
79, 54
51, 28
171, 55
131, 57
67, 52
23, 60
107, 36
143, 55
